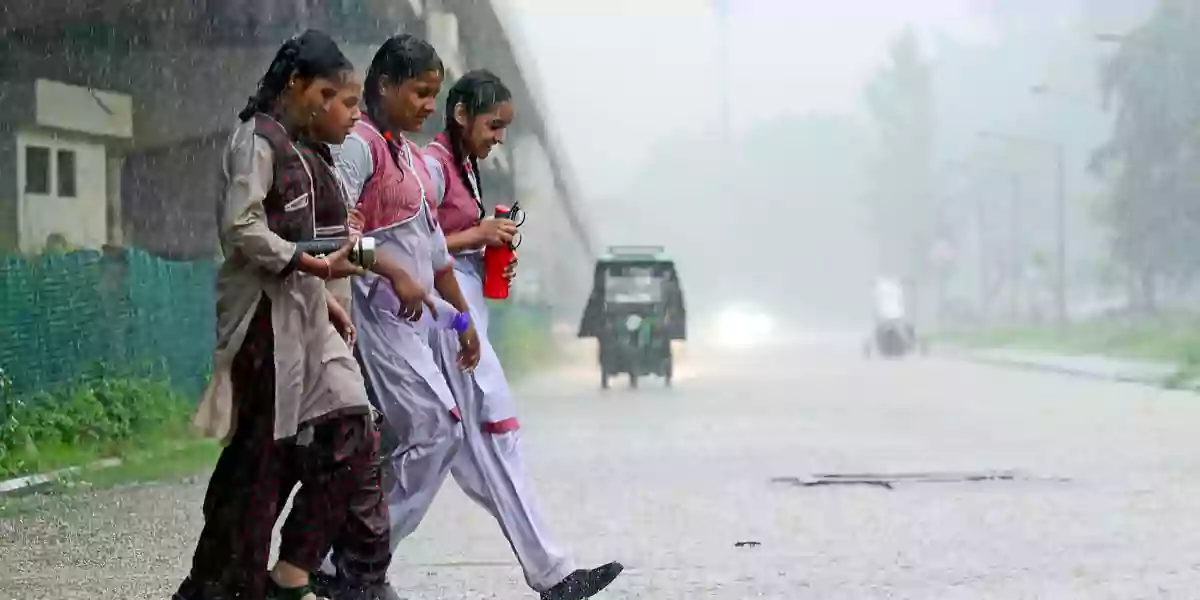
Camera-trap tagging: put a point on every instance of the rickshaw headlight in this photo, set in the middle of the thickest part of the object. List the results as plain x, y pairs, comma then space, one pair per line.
632, 322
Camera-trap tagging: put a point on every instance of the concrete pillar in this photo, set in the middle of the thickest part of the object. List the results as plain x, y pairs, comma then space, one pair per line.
116, 222
441, 29
10, 192
532, 187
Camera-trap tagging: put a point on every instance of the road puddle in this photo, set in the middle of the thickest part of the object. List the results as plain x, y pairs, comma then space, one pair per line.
891, 480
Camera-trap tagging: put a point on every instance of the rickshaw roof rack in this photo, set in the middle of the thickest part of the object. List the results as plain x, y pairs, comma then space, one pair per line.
636, 252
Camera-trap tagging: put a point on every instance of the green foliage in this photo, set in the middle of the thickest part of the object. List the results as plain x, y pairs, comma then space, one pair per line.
103, 413
1151, 157
521, 337
1167, 338
63, 312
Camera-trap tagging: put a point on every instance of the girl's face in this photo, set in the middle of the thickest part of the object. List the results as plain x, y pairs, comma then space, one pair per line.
408, 104
328, 107
485, 131
339, 111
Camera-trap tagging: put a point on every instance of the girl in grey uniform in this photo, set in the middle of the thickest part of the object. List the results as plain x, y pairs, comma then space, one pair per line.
385, 176
489, 466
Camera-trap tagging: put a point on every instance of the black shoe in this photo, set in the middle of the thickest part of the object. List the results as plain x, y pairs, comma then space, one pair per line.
323, 585
583, 583
386, 592
188, 590
275, 592
334, 588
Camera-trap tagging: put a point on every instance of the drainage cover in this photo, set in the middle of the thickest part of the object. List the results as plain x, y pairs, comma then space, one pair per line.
890, 480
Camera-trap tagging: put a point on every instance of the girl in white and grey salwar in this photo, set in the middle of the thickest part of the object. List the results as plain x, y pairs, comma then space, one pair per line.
385, 177
489, 467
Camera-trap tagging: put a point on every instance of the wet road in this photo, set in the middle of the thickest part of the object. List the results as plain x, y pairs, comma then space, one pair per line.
668, 481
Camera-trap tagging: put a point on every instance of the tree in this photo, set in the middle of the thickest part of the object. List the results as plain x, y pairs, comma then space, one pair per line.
1153, 156
900, 100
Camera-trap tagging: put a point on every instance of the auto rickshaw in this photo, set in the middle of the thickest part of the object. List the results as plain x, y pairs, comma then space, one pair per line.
635, 311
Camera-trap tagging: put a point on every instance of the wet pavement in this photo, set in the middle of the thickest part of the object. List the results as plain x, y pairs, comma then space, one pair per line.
695, 489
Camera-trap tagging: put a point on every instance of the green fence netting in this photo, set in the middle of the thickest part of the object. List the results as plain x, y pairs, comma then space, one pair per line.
63, 314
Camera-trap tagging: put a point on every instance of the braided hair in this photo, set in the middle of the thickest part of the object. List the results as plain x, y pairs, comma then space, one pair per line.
400, 58
309, 55
478, 92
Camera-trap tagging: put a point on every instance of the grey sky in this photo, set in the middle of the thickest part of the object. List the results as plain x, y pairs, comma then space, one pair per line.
620, 74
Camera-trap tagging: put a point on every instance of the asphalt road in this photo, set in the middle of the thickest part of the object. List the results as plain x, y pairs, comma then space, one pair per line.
1105, 502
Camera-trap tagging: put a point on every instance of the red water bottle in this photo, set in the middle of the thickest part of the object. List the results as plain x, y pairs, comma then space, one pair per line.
495, 261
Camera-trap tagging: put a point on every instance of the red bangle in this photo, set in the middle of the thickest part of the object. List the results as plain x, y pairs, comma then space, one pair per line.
328, 269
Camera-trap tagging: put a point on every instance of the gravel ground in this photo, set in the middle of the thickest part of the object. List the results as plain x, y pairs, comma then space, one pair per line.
668, 481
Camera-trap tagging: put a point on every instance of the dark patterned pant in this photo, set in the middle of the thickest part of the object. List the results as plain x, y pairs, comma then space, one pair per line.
362, 551
335, 461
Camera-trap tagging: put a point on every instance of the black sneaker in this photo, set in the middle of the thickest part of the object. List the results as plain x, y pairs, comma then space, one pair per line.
583, 583
324, 585
304, 592
386, 592
188, 590
332, 587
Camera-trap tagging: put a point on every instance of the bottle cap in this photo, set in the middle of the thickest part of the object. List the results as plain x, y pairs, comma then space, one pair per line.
366, 252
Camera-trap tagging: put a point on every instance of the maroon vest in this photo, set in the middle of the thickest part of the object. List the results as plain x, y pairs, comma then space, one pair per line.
306, 200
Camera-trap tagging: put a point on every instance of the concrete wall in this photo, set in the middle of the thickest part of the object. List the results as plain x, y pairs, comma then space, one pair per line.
557, 249
185, 84
69, 129
81, 218
9, 223
180, 107
85, 110
169, 195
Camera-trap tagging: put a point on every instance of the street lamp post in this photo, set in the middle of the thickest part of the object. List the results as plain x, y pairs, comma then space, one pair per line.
1015, 251
1060, 237
722, 11
1060, 214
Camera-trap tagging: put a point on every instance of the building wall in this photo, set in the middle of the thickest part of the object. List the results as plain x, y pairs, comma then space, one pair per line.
189, 70
9, 225
79, 215
58, 133
168, 197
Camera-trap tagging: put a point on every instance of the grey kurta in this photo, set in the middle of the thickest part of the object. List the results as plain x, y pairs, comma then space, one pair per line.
315, 372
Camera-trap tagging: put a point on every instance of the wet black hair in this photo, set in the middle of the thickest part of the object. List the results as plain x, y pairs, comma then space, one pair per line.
478, 92
309, 55
400, 58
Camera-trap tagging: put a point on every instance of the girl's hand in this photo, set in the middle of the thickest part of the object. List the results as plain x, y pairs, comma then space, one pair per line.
355, 221
495, 232
338, 265
510, 272
342, 322
468, 349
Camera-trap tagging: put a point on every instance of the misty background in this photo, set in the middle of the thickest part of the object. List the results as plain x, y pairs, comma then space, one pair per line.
845, 118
